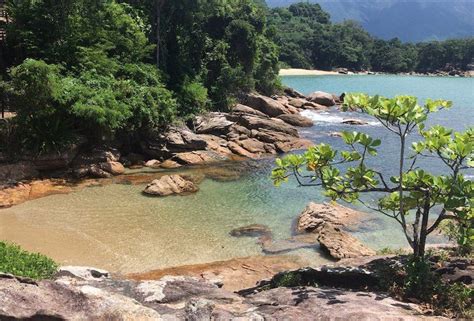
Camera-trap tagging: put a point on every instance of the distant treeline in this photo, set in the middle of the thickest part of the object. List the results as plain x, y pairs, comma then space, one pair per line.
308, 39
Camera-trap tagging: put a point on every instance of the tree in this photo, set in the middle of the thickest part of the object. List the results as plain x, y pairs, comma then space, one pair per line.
346, 175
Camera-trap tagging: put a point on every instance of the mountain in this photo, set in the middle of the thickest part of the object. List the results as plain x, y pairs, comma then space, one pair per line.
409, 20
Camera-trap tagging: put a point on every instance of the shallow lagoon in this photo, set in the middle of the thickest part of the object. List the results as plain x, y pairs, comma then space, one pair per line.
117, 228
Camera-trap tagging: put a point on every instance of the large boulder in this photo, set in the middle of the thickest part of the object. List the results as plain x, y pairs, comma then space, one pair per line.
97, 155
315, 215
212, 123
322, 98
296, 120
259, 123
294, 144
174, 140
266, 105
252, 145
198, 157
290, 92
239, 108
340, 244
171, 184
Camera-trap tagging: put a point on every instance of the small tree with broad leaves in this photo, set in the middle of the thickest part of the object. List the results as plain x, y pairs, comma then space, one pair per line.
414, 195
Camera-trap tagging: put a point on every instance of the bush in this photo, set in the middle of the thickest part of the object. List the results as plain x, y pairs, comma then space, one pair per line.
193, 98
14, 260
415, 281
42, 123
463, 234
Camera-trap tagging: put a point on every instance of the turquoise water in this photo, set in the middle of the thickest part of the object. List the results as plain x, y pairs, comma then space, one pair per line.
115, 227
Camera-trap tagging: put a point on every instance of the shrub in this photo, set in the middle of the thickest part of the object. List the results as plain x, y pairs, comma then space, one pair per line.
193, 98
14, 260
42, 123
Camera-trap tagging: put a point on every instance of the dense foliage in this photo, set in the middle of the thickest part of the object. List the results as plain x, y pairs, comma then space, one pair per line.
415, 198
102, 68
309, 40
14, 260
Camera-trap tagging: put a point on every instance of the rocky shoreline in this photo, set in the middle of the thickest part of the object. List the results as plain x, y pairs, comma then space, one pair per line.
262, 127
323, 293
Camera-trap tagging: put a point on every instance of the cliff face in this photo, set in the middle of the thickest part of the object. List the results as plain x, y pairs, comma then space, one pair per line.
414, 20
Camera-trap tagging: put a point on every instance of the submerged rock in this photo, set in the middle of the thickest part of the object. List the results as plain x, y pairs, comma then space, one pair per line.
253, 230
171, 184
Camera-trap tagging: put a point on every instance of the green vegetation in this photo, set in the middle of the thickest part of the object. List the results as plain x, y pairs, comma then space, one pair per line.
14, 260
122, 69
309, 40
415, 281
413, 195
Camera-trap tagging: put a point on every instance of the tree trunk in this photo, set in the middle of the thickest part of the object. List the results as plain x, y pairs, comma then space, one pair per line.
158, 6
424, 227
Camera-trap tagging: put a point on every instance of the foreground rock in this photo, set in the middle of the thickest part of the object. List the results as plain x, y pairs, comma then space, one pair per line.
170, 185
85, 297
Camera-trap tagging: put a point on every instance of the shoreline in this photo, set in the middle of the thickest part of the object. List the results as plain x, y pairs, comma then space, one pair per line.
344, 72
306, 72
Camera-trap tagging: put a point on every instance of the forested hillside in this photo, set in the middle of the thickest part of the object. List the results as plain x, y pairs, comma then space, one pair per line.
104, 69
309, 39
413, 20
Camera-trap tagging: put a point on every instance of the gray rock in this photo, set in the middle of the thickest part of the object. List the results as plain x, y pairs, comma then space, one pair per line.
322, 98
296, 120
239, 108
354, 121
266, 105
82, 272
212, 123
259, 123
186, 298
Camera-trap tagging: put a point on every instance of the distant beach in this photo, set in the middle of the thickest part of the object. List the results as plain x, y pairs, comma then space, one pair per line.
306, 72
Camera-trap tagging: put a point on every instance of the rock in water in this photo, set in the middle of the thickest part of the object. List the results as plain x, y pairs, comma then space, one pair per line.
340, 244
354, 121
171, 184
322, 98
314, 215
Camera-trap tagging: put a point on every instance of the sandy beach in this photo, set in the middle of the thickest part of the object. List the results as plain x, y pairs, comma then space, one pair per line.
306, 72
